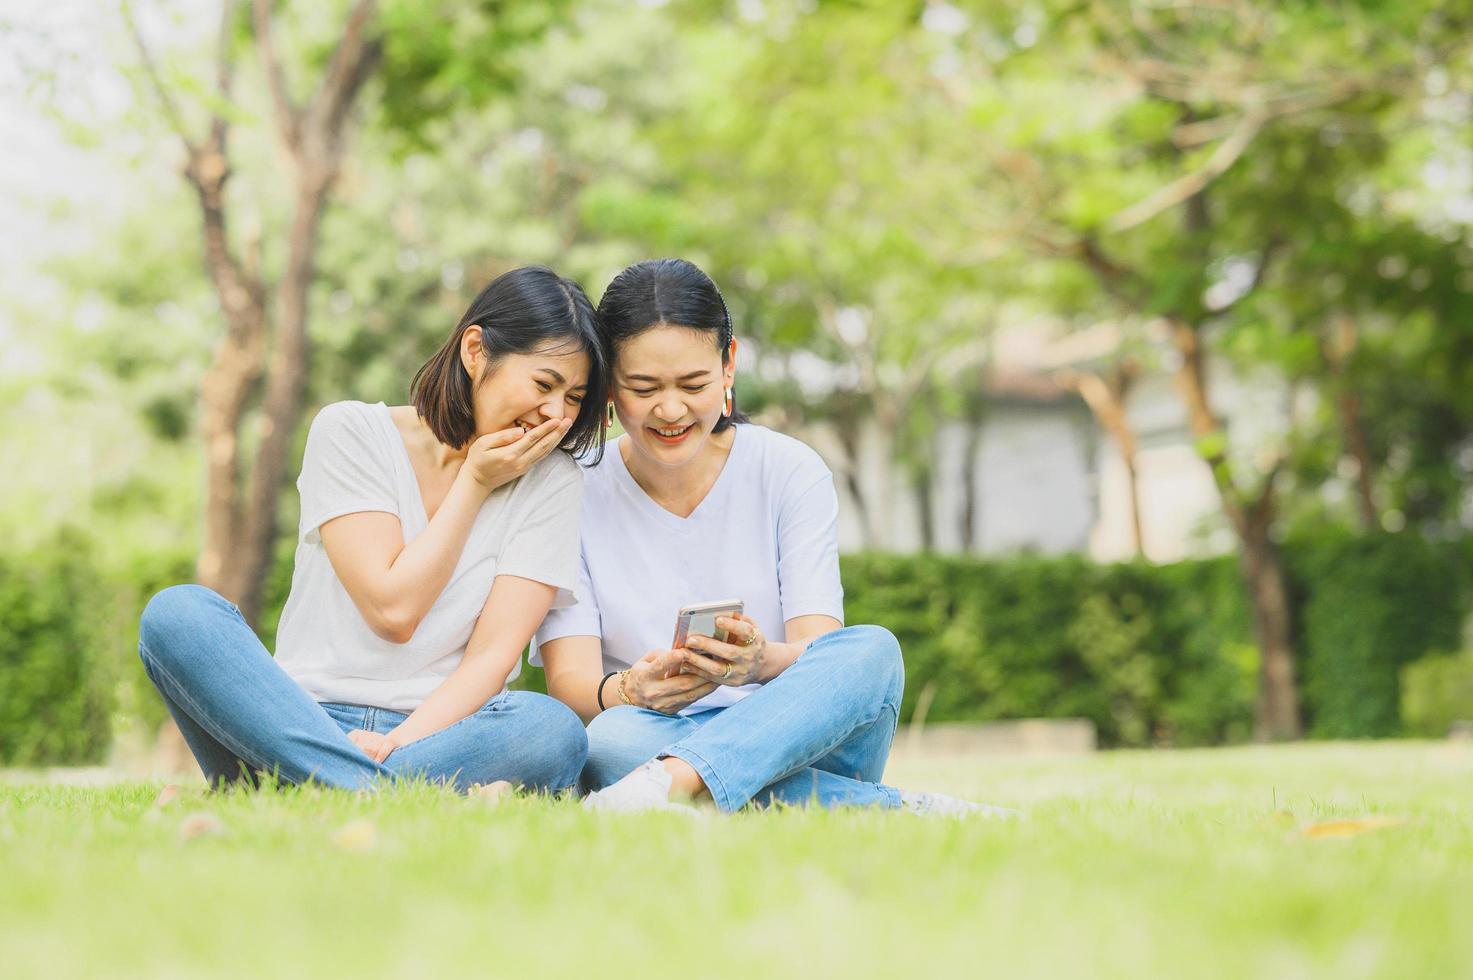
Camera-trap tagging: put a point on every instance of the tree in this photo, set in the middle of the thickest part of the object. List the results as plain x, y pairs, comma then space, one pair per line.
265, 342
1192, 139
433, 62
820, 158
1106, 391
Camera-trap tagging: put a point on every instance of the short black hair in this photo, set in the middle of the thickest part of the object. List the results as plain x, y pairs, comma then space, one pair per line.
666, 293
520, 312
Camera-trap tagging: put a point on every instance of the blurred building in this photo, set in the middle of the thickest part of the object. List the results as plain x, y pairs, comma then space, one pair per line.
1039, 473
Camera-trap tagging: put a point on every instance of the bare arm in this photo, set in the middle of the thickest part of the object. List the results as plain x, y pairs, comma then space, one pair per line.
798, 632
392, 584
751, 657
513, 611
574, 666
575, 672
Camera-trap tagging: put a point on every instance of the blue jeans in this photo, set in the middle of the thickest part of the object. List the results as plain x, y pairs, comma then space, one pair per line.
241, 714
820, 731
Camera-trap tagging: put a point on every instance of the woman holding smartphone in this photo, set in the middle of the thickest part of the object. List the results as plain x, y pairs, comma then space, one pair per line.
433, 539
693, 504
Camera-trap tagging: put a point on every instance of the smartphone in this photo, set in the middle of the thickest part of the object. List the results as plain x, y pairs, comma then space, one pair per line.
701, 619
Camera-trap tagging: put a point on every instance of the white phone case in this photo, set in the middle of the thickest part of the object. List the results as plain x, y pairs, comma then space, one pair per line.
701, 619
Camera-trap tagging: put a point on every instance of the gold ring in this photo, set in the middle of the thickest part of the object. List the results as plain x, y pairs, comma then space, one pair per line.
727, 672
751, 638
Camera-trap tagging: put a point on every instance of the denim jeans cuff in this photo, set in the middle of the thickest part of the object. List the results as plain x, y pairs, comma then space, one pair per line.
708, 775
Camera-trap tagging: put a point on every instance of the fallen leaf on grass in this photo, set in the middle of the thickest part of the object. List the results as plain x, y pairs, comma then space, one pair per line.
167, 795
200, 825
359, 835
491, 793
1348, 828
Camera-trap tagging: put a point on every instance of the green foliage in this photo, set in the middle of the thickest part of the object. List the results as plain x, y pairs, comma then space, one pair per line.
1113, 640
69, 668
1435, 692
1370, 605
55, 699
874, 194
1150, 654
1158, 654
129, 586
448, 58
1208, 640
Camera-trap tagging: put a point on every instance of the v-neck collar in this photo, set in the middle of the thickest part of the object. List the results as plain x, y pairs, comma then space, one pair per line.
419, 498
631, 486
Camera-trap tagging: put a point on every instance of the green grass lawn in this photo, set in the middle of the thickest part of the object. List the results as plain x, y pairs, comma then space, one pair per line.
1162, 864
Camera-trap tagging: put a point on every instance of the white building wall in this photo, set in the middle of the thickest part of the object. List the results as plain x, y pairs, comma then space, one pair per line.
1050, 481
1033, 471
1177, 495
949, 490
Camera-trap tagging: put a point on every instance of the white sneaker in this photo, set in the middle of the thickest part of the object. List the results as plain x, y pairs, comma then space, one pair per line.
941, 805
646, 788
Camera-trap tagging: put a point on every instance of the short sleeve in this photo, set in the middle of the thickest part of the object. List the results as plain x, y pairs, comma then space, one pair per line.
808, 550
344, 469
542, 542
579, 619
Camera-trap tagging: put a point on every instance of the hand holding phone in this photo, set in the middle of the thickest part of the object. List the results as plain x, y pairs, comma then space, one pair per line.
701, 619
659, 682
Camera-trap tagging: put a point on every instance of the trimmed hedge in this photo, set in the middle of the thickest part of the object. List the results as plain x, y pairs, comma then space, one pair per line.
1151, 654
1437, 691
55, 700
69, 666
1162, 654
1367, 607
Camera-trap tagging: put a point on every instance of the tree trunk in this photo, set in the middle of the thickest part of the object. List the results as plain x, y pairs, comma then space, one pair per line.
1347, 405
1132, 484
923, 486
286, 388
1262, 570
882, 506
971, 489
241, 516
241, 520
847, 429
1106, 396
1337, 351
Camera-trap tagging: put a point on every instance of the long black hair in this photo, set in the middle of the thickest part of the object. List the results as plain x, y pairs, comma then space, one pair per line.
667, 293
521, 312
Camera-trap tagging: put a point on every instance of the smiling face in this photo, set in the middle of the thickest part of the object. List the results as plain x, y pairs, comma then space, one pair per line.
524, 389
670, 391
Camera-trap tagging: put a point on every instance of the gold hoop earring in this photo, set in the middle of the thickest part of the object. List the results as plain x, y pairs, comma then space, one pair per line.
727, 413
609, 416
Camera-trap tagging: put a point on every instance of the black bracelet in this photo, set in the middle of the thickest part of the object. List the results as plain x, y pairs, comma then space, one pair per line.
599, 695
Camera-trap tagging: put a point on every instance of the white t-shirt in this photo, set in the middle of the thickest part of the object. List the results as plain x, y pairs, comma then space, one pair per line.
766, 534
356, 461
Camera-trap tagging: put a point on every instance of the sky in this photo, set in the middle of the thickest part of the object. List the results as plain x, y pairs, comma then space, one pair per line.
68, 156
